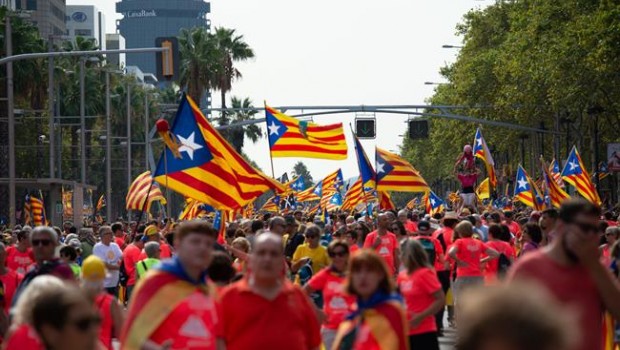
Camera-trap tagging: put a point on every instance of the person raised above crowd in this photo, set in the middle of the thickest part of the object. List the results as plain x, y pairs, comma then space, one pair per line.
264, 310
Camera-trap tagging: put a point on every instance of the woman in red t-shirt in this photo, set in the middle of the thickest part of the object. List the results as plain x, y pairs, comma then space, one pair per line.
423, 295
491, 268
337, 304
468, 254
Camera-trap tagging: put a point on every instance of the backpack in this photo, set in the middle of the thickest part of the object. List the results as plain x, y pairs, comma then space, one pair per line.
503, 264
123, 277
429, 248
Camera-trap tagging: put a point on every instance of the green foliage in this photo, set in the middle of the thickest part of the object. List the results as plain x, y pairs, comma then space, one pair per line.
528, 62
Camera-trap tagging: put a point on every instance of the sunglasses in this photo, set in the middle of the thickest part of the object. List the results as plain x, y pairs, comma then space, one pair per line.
587, 228
85, 323
609, 234
341, 254
41, 242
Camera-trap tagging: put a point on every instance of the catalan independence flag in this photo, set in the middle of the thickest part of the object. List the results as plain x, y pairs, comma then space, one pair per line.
524, 189
396, 174
353, 196
554, 169
194, 209
367, 173
289, 137
556, 194
575, 173
332, 182
272, 205
139, 190
481, 150
37, 210
209, 169
433, 204
385, 201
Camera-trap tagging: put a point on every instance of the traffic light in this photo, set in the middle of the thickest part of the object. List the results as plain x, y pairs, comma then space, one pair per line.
167, 61
365, 128
418, 129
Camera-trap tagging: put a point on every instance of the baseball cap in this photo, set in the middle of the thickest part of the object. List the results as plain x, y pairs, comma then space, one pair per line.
150, 230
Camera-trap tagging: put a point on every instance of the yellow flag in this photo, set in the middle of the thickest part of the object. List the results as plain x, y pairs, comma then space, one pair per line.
483, 191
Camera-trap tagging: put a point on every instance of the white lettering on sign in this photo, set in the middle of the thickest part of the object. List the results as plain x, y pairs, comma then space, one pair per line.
140, 13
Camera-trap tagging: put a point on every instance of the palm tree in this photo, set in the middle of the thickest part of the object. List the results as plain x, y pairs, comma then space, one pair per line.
230, 49
198, 60
236, 135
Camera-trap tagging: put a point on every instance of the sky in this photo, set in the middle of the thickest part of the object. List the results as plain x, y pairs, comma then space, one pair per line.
336, 52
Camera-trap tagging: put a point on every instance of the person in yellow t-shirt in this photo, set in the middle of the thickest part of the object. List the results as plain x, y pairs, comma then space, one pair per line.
311, 251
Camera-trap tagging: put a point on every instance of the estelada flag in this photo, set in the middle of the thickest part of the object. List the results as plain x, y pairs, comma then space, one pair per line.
143, 189
575, 173
481, 150
209, 169
290, 137
396, 174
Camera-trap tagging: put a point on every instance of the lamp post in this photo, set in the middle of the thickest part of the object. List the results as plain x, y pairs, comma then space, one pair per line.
82, 122
445, 46
128, 134
11, 119
595, 112
146, 130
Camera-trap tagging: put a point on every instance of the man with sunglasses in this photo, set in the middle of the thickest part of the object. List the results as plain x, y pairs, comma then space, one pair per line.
570, 270
44, 241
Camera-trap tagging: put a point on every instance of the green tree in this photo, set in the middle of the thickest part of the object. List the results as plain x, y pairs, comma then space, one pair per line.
300, 169
230, 48
199, 58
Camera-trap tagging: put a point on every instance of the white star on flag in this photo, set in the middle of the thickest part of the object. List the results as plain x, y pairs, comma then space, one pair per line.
572, 165
189, 145
479, 142
273, 129
433, 202
380, 167
522, 183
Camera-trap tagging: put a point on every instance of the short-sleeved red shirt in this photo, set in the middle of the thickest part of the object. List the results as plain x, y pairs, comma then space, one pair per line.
386, 249
250, 321
131, 256
10, 280
470, 251
490, 268
417, 289
18, 261
336, 303
571, 286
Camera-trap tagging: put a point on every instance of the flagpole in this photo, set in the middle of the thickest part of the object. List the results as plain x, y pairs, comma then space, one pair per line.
273, 174
359, 168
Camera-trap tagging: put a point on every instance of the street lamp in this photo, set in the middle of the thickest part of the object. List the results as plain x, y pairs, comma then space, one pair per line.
433, 83
445, 46
108, 146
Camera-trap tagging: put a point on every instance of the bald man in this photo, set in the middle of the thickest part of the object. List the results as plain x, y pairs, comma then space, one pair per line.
255, 311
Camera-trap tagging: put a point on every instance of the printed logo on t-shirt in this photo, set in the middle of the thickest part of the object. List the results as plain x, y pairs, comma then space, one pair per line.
406, 286
195, 328
473, 247
384, 251
337, 303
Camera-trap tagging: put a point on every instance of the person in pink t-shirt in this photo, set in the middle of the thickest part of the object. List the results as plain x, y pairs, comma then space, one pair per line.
423, 295
468, 179
384, 243
468, 253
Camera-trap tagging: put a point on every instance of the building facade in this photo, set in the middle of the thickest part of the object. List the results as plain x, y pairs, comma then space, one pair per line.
47, 15
145, 20
115, 42
10, 4
86, 21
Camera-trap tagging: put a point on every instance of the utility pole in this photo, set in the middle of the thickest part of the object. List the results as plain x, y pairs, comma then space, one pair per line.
82, 123
128, 134
146, 131
108, 150
50, 100
11, 119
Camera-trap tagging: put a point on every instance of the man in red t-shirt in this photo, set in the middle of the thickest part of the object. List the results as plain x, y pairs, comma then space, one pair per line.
131, 255
410, 226
9, 279
265, 310
513, 226
20, 258
119, 235
570, 270
384, 243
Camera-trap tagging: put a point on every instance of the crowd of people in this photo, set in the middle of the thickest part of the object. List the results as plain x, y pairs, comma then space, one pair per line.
507, 279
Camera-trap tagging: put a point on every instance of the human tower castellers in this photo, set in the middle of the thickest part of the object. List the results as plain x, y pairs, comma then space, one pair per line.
466, 172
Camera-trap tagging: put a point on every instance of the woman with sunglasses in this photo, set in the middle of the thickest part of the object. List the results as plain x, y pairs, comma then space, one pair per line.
330, 281
399, 230
611, 236
423, 295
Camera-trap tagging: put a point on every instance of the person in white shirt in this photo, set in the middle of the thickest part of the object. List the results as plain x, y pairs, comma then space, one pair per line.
111, 254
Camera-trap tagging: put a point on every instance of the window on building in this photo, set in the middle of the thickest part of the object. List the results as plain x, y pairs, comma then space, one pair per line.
83, 32
31, 5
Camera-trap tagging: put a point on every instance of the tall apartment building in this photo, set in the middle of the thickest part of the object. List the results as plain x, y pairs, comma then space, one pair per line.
47, 15
116, 42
